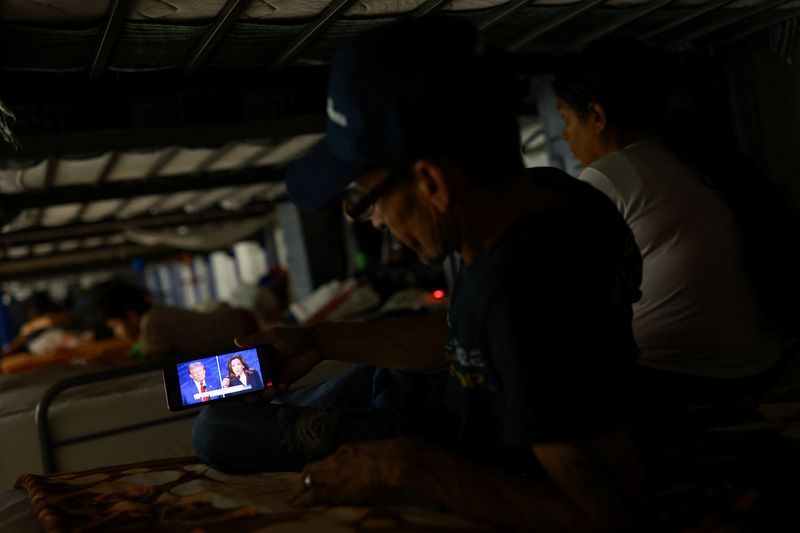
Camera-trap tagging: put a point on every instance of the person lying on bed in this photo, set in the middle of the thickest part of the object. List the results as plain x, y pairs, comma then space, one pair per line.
520, 421
45, 327
58, 338
115, 308
157, 332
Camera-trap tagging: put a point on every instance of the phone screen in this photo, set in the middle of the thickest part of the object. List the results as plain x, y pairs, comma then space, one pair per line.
200, 380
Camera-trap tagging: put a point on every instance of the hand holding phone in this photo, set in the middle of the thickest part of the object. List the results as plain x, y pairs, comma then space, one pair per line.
199, 380
295, 353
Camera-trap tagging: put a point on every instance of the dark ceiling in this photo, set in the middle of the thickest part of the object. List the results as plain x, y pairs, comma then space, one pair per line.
184, 109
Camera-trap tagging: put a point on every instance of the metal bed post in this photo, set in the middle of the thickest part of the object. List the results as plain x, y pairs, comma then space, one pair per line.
117, 13
48, 446
502, 13
313, 29
227, 16
561, 18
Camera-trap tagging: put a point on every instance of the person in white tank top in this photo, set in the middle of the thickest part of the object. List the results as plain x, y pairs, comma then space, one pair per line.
698, 315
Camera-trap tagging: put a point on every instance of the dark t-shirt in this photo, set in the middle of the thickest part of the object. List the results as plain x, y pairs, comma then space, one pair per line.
540, 334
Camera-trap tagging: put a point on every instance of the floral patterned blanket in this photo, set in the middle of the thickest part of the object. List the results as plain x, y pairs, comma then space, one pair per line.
184, 495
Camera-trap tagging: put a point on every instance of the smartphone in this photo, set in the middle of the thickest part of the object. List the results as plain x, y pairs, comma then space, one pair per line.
201, 380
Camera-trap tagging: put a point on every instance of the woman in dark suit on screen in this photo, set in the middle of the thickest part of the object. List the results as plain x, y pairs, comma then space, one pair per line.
239, 373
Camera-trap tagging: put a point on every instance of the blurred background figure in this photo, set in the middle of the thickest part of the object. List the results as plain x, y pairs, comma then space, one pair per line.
114, 308
698, 324
45, 327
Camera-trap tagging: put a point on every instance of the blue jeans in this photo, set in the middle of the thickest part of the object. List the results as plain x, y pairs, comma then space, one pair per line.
363, 403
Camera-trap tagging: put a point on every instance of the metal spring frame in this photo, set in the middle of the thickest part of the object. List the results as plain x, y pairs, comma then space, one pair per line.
47, 444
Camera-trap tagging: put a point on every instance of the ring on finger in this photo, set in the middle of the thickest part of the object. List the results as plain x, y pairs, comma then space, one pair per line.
307, 481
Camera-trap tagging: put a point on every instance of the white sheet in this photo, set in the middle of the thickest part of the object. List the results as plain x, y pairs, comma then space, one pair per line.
21, 392
93, 408
16, 513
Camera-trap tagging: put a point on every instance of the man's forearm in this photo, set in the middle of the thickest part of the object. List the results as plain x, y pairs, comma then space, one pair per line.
412, 344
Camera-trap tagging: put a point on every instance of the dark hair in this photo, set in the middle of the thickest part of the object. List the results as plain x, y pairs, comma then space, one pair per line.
245, 366
115, 298
110, 299
456, 97
40, 303
631, 82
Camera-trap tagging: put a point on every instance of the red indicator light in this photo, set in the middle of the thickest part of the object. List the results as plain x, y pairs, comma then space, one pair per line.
438, 294
269, 384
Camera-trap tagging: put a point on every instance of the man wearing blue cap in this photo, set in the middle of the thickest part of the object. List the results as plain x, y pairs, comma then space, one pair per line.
523, 422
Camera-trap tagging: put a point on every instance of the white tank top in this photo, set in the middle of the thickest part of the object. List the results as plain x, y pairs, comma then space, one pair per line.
698, 313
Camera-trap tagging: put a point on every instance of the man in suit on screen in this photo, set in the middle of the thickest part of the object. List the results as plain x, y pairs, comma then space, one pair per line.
199, 384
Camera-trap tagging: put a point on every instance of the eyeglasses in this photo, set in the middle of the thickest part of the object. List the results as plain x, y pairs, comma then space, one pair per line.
360, 204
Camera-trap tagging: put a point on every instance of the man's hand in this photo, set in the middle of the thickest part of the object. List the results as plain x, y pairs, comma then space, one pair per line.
297, 352
601, 476
589, 486
356, 473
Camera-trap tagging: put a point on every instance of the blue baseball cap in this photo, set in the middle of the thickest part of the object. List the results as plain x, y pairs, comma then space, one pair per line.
377, 118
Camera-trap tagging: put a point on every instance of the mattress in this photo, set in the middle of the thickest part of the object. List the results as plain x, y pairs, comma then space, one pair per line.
16, 513
62, 11
93, 408
70, 11
21, 392
62, 36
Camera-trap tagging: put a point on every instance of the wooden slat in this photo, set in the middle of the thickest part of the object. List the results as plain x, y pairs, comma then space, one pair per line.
558, 20
51, 168
101, 178
313, 29
428, 7
501, 13
227, 16
115, 19
213, 158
